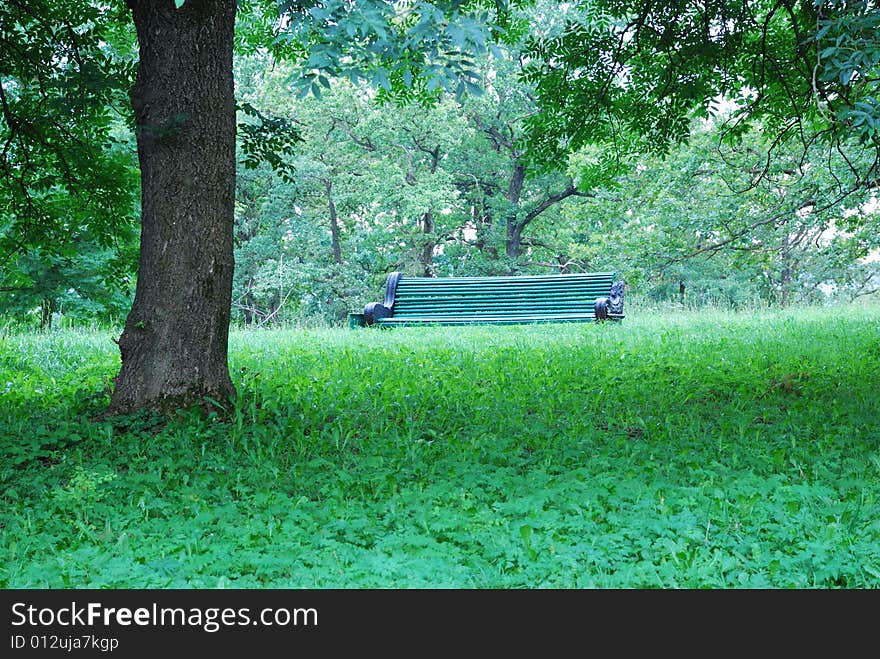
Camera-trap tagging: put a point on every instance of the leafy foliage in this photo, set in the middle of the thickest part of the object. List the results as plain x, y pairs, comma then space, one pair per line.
269, 139
712, 224
443, 189
433, 189
338, 190
631, 74
848, 65
382, 42
63, 86
68, 176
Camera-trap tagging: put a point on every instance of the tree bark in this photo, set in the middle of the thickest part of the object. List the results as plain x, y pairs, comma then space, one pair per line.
47, 308
514, 192
174, 345
334, 223
426, 254
516, 226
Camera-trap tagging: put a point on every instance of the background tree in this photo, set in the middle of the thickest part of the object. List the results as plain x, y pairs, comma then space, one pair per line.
510, 190
706, 224
68, 180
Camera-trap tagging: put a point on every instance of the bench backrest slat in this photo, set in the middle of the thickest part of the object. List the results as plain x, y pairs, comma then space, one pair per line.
537, 295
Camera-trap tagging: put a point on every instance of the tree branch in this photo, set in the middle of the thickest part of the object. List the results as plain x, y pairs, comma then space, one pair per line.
570, 191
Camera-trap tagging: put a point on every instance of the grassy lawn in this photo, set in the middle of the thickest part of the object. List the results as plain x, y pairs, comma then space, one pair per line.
701, 450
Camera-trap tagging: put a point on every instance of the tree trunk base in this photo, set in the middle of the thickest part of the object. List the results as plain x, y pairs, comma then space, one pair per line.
175, 373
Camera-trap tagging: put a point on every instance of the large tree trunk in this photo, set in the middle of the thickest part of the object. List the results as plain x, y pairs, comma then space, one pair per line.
174, 345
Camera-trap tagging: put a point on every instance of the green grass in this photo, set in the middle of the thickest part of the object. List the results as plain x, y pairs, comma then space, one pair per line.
703, 450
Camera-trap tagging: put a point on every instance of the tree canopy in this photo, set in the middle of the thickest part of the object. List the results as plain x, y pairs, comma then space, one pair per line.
632, 73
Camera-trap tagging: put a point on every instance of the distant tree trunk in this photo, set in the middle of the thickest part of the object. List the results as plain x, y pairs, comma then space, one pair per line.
47, 308
518, 219
483, 224
514, 228
426, 257
174, 345
334, 223
248, 308
427, 222
785, 272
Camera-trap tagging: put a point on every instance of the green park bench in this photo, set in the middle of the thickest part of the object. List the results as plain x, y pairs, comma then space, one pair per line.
510, 300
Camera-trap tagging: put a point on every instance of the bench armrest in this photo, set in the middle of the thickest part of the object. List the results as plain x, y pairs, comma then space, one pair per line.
611, 307
374, 311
